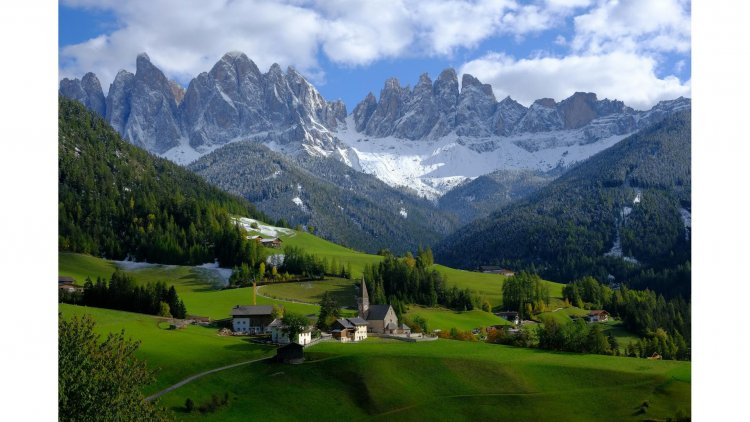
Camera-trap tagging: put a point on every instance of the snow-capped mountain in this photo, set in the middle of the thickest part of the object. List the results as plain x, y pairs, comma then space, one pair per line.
233, 101
429, 138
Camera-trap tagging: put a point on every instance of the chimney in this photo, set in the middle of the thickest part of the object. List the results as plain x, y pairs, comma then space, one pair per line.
254, 288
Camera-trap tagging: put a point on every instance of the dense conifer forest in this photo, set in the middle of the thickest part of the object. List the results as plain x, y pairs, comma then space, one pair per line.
565, 230
117, 200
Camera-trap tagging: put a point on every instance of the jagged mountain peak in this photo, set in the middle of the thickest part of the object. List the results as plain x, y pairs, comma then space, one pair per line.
424, 79
448, 74
142, 58
468, 81
546, 102
87, 90
232, 101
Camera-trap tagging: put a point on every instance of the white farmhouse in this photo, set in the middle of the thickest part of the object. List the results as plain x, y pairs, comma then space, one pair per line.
279, 336
251, 319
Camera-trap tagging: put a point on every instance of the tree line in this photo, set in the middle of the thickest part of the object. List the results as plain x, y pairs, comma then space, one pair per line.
122, 293
411, 280
641, 311
525, 293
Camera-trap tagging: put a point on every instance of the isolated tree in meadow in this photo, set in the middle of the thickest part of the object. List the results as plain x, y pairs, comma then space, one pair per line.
100, 380
294, 324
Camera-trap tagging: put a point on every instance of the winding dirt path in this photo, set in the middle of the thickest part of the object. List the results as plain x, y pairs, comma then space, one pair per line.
196, 376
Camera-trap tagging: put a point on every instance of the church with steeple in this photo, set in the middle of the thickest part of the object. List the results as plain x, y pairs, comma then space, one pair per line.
380, 318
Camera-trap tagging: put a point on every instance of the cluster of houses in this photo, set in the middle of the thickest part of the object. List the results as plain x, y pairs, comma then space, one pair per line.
380, 319
597, 315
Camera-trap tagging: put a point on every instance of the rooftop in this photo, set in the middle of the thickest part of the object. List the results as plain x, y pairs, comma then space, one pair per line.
251, 310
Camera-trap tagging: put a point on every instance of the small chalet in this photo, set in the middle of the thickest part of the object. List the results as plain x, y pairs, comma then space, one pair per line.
380, 318
291, 353
279, 336
491, 269
67, 284
271, 243
251, 319
349, 329
511, 316
597, 316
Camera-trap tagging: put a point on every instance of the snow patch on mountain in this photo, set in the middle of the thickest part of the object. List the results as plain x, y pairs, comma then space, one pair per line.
686, 221
255, 227
403, 212
297, 201
434, 167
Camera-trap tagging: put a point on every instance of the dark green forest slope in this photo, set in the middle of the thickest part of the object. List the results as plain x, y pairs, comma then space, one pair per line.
117, 200
564, 230
343, 205
492, 192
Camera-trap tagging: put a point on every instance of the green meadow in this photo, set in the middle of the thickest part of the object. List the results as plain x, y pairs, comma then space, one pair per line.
379, 379
174, 354
343, 290
197, 287
445, 319
443, 380
325, 249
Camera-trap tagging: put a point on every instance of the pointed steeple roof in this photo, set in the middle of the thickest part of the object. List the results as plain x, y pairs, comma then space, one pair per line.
364, 290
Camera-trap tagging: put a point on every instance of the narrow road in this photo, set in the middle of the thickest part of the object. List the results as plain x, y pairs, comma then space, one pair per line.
196, 376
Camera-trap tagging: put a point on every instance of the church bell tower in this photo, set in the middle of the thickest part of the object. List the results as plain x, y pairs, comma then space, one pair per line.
363, 302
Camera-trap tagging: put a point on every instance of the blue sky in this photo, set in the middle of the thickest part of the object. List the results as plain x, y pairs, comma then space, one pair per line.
634, 50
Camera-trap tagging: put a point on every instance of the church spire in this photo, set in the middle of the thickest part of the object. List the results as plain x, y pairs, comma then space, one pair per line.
363, 302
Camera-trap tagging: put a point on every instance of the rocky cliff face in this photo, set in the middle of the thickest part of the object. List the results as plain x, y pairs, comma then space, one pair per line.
153, 120
433, 110
232, 101
87, 91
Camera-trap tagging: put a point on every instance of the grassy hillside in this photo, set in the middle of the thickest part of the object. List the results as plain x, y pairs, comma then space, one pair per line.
444, 380
343, 290
445, 319
176, 354
330, 250
197, 287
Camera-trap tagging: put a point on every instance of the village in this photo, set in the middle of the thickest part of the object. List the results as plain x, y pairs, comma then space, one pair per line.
376, 320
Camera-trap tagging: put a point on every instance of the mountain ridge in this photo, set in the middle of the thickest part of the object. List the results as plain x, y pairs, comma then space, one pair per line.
424, 134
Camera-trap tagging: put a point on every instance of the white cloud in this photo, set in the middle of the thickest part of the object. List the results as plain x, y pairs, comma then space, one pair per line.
186, 37
637, 25
618, 75
614, 49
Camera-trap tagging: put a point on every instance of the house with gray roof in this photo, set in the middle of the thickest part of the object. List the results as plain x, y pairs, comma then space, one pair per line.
251, 319
349, 329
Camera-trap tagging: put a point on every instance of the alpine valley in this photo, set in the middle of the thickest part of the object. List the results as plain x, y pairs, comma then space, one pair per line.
404, 169
251, 250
